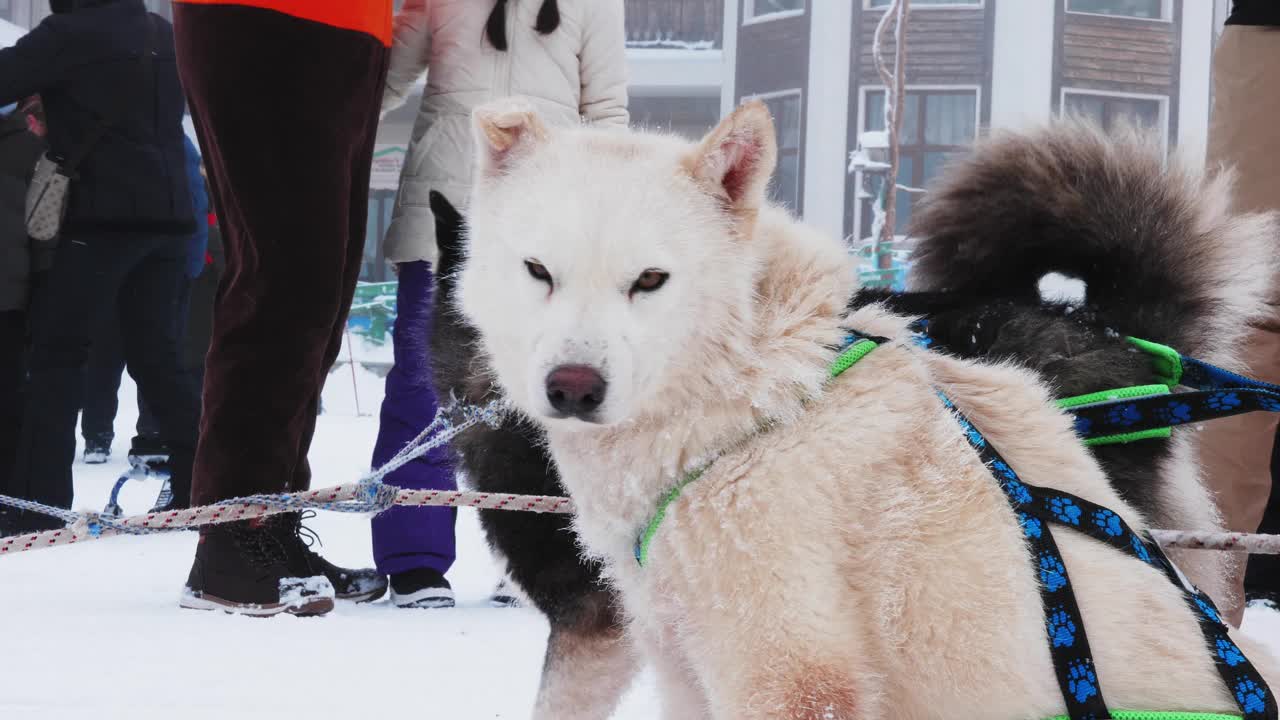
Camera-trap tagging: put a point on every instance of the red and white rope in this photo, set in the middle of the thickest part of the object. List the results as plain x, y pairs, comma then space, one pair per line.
356, 492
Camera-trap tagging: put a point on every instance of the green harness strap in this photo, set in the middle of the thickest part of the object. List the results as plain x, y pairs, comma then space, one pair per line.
847, 359
1168, 368
1144, 715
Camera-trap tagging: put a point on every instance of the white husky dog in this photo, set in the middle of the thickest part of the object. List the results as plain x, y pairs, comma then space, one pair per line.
844, 553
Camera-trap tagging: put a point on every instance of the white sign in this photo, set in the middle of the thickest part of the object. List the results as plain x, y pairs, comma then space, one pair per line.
388, 161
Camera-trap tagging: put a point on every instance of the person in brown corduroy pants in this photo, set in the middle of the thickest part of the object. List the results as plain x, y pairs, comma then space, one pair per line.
1244, 135
285, 97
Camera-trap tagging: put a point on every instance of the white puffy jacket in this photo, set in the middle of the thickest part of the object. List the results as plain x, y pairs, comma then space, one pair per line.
577, 73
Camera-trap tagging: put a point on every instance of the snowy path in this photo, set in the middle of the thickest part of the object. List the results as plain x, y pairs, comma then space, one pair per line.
95, 629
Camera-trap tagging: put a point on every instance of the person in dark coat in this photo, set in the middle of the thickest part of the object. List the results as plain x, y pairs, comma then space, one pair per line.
123, 243
19, 150
107, 361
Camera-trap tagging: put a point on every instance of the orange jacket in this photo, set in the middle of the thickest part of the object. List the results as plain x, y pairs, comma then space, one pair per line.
367, 16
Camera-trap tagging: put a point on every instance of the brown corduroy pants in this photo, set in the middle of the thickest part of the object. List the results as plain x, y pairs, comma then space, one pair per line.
287, 113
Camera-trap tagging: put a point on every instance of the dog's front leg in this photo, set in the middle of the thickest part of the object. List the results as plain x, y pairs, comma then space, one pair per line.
682, 694
589, 665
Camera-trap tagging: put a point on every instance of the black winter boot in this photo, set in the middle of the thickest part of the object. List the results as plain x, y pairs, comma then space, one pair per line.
250, 568
362, 585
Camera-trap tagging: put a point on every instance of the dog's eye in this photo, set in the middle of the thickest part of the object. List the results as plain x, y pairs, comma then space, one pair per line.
538, 271
649, 281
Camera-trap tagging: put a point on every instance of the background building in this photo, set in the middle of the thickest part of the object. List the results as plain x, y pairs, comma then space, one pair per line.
971, 65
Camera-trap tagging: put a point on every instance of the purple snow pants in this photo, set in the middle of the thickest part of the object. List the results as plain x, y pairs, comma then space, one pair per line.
406, 538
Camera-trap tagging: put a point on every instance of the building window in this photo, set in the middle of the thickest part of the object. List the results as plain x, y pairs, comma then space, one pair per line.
873, 4
764, 10
937, 125
786, 110
1110, 110
1145, 9
688, 117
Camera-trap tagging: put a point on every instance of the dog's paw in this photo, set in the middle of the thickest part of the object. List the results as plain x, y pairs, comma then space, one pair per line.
1229, 653
1175, 413
1223, 401
1017, 492
1065, 510
1124, 415
1031, 526
1252, 698
1062, 630
1082, 681
1052, 572
1109, 522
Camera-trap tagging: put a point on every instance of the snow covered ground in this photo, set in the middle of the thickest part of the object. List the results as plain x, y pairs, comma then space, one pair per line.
94, 629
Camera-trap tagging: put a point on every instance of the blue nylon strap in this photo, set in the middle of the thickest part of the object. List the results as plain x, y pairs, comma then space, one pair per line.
1203, 376
1068, 643
1218, 394
1037, 509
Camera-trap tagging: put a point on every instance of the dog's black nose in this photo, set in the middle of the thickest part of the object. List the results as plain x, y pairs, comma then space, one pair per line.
575, 390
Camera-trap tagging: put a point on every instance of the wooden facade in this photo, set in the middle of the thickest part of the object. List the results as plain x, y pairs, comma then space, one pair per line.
675, 23
946, 47
772, 58
1122, 55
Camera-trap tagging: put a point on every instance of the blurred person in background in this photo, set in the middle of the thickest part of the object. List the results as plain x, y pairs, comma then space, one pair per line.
107, 77
1244, 137
106, 364
21, 143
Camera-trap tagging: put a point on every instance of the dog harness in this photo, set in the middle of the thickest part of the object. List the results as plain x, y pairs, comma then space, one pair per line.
1144, 412
1039, 509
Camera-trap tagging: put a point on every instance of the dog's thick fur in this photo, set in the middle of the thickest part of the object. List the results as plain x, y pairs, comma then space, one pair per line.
588, 665
855, 560
1161, 257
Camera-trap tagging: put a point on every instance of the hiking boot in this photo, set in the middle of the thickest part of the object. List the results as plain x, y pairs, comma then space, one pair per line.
360, 586
97, 451
504, 596
421, 588
247, 568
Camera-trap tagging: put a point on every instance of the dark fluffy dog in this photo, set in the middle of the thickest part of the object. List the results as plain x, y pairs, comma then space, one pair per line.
1161, 259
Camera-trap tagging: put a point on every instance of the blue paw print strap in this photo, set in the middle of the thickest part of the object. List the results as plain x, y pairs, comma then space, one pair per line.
1255, 699
1037, 508
1068, 643
1137, 415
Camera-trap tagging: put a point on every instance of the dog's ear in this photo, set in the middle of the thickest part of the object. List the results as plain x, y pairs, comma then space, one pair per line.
448, 227
504, 131
448, 232
736, 159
